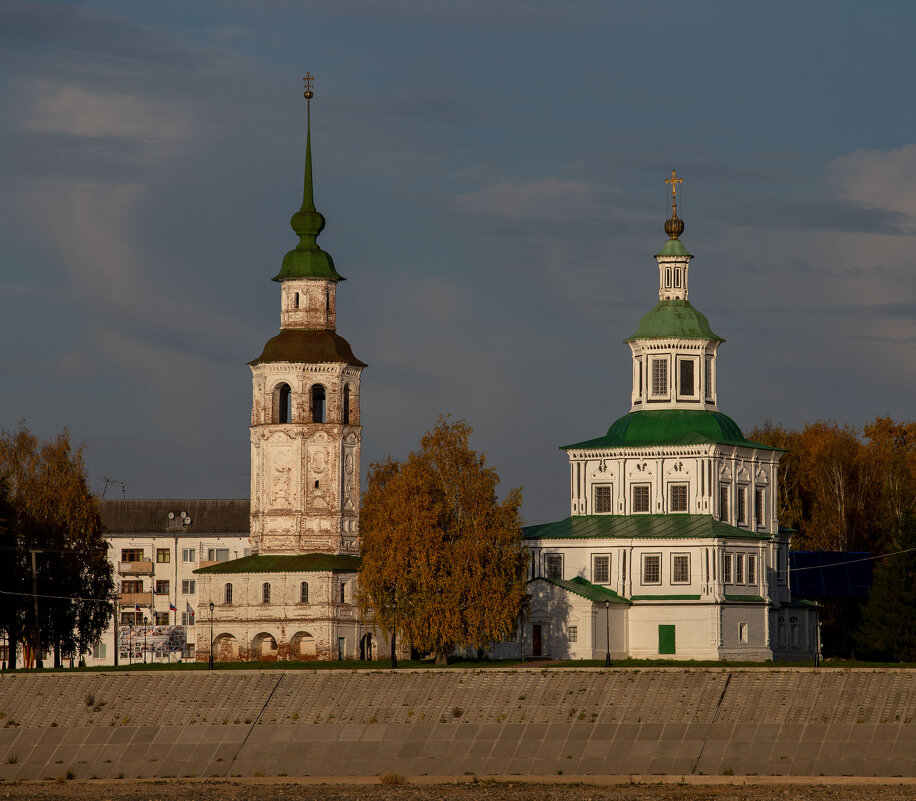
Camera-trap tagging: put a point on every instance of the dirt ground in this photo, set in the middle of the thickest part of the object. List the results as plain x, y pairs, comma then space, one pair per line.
230, 790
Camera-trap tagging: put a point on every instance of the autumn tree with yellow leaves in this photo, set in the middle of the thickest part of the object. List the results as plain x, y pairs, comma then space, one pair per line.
443, 559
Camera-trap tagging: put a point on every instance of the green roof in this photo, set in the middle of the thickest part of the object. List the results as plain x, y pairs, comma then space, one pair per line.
748, 599
650, 427
674, 319
660, 527
294, 563
676, 597
674, 247
308, 345
579, 586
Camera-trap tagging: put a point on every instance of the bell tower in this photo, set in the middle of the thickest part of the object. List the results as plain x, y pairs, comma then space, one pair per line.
305, 413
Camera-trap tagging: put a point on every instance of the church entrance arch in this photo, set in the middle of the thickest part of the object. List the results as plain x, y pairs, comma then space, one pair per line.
367, 648
264, 648
225, 648
303, 646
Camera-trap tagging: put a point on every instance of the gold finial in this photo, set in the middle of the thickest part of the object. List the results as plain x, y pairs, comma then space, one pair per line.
308, 94
674, 181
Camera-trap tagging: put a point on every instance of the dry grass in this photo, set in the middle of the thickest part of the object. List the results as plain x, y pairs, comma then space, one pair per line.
392, 778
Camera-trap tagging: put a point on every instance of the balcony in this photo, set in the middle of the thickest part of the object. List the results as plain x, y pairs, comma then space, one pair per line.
136, 568
132, 599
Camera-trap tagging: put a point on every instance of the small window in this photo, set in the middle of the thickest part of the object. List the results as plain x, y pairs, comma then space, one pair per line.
728, 568
639, 370
131, 585
659, 377
99, 650
284, 404
709, 379
132, 555
163, 555
318, 404
187, 618
723, 502
667, 277
678, 497
343, 592
574, 634
752, 569
554, 565
227, 594
162, 588
601, 569
687, 386
189, 587
327, 301
296, 301
739, 568
188, 555
217, 554
160, 618
742, 632
346, 405
602, 502
641, 498
651, 568
677, 277
759, 507
742, 506
304, 592
680, 568
265, 592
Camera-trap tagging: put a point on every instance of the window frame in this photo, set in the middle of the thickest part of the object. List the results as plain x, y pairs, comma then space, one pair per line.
610, 499
163, 556
741, 505
743, 636
728, 568
163, 586
265, 593
303, 592
595, 577
695, 390
648, 490
739, 569
679, 486
550, 559
189, 586
752, 570
674, 571
724, 492
573, 633
188, 552
644, 563
663, 377
228, 591
760, 506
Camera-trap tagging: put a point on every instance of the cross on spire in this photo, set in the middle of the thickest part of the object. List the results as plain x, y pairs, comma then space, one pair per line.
674, 181
308, 94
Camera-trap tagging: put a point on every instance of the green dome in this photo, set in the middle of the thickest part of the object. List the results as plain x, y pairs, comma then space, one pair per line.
674, 247
670, 427
674, 319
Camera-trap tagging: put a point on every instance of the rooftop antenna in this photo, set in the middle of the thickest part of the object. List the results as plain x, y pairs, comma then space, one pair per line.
109, 480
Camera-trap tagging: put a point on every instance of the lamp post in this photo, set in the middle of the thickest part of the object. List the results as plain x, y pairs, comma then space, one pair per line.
210, 666
607, 632
394, 631
145, 630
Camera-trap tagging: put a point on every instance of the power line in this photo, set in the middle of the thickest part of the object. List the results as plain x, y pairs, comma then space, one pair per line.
849, 561
61, 597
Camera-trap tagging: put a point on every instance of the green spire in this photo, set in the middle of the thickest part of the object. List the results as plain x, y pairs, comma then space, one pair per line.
307, 259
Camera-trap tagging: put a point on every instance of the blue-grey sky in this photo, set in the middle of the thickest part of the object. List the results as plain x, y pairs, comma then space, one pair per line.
492, 174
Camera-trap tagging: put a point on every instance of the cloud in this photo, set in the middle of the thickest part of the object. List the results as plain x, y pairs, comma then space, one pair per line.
545, 199
885, 179
81, 111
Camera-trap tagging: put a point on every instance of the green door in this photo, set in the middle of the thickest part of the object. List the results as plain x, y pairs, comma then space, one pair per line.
666, 640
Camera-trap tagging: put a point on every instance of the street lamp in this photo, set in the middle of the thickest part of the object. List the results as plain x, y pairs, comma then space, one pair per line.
210, 666
145, 630
607, 632
394, 630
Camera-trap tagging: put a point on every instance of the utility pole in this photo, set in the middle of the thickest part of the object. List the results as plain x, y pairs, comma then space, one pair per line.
37, 632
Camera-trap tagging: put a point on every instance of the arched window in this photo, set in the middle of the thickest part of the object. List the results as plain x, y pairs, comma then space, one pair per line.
318, 404
304, 592
284, 404
227, 594
265, 592
346, 405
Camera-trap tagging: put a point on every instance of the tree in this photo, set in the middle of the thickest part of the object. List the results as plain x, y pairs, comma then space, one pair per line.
443, 559
886, 632
47, 508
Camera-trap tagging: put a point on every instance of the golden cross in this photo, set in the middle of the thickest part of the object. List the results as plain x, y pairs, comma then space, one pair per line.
674, 181
308, 93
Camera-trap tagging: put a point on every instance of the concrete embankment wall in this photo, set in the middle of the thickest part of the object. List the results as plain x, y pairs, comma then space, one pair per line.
761, 721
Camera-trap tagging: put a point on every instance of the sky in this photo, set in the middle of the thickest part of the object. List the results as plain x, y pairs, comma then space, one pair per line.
492, 175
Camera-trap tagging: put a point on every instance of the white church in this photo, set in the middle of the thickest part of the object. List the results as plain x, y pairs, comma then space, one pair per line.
672, 548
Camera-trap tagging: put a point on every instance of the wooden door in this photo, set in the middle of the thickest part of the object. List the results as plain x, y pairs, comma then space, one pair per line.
536, 640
